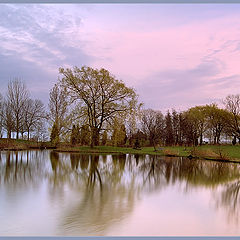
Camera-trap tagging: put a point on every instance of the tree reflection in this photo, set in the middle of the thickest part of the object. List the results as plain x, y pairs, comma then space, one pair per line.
106, 188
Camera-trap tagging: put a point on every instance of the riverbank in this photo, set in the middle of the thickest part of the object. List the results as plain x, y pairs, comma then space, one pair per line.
209, 152
20, 144
225, 153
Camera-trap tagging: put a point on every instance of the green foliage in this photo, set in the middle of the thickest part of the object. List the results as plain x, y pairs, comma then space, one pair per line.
119, 136
100, 96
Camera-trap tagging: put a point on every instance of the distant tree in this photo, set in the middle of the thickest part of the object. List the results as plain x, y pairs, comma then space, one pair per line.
1, 115
176, 127
232, 104
217, 121
99, 94
17, 95
8, 118
58, 108
169, 139
152, 124
34, 114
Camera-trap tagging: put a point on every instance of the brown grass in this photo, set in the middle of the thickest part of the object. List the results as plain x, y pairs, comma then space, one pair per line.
209, 154
170, 152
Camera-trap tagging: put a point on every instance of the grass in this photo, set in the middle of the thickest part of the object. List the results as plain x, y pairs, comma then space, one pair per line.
211, 152
20, 144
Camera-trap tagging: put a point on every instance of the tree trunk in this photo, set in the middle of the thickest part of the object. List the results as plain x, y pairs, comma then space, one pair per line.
9, 134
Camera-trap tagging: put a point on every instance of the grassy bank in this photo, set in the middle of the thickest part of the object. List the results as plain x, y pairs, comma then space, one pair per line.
210, 152
19, 144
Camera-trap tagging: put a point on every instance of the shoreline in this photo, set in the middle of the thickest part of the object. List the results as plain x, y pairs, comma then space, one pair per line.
220, 153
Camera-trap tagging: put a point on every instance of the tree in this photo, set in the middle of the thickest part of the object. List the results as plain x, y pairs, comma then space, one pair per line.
58, 107
75, 135
8, 120
232, 104
152, 124
217, 121
119, 136
85, 135
100, 96
198, 118
17, 95
54, 137
169, 139
1, 115
34, 113
104, 138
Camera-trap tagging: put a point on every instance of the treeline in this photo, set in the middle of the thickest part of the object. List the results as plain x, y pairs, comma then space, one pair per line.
20, 115
91, 107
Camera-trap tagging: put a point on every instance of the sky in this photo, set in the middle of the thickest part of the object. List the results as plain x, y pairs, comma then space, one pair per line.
173, 55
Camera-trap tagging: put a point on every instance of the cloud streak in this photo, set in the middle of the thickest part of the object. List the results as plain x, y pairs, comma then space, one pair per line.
175, 57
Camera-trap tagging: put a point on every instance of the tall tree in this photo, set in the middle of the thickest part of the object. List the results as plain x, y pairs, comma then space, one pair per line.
17, 95
100, 95
58, 108
169, 139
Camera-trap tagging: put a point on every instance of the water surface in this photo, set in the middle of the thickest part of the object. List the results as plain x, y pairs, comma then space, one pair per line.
44, 193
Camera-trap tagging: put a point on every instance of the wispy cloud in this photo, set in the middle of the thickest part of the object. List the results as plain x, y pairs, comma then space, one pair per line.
175, 56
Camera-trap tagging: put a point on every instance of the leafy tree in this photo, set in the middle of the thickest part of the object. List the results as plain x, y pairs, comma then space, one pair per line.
119, 136
99, 95
217, 121
232, 104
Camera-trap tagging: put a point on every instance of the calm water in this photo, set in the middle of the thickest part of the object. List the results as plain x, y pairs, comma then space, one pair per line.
48, 193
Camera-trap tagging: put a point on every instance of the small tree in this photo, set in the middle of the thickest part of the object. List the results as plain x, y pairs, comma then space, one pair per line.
54, 137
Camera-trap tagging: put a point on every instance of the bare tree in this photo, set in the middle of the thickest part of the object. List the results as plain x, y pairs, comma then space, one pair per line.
1, 115
152, 123
7, 118
17, 95
34, 114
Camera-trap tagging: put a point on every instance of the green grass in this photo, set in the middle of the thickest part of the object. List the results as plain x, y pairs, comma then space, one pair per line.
233, 152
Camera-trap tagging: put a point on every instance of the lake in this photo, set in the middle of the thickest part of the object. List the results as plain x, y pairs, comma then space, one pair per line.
45, 193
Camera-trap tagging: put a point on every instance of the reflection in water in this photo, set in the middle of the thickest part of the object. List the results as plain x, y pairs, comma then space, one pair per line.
103, 190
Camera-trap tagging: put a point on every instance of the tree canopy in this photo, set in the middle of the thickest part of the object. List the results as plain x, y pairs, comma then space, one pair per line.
99, 96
